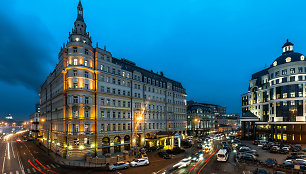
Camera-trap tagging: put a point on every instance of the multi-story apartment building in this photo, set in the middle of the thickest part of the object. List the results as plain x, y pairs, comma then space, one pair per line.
200, 118
275, 106
94, 102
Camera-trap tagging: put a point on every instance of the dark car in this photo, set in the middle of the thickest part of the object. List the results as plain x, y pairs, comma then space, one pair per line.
265, 147
279, 172
283, 151
164, 155
248, 158
194, 157
227, 147
260, 171
286, 166
256, 142
251, 152
298, 146
270, 162
294, 149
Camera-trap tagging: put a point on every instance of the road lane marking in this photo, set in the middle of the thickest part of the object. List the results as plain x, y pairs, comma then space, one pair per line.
37, 168
12, 149
29, 171
8, 151
52, 165
3, 164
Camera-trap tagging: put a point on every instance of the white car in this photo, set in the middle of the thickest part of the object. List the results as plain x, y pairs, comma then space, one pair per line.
119, 165
139, 162
183, 163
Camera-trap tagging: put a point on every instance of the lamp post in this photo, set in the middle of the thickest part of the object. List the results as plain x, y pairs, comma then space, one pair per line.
139, 118
195, 120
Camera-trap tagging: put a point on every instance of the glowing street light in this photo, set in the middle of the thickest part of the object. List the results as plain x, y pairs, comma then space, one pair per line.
42, 120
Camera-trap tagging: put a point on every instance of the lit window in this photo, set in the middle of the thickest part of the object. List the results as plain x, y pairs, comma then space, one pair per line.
275, 63
292, 94
75, 61
288, 59
77, 39
102, 67
284, 95
86, 63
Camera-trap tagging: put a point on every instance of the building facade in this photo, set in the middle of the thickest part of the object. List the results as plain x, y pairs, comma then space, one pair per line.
200, 118
96, 103
274, 107
230, 120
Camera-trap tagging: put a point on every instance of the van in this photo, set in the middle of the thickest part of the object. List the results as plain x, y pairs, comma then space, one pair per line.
222, 155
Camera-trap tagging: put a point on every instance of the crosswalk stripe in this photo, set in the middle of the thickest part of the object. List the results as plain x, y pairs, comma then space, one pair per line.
48, 166
52, 165
57, 165
22, 171
17, 172
29, 171
33, 170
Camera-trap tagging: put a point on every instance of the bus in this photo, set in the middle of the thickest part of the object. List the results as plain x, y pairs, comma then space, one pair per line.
222, 155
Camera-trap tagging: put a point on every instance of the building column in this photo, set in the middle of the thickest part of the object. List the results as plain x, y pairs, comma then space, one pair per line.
179, 142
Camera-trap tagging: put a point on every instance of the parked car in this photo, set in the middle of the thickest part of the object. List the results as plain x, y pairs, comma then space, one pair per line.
253, 152
251, 158
119, 165
139, 162
274, 149
144, 156
256, 142
295, 149
284, 150
183, 163
279, 172
164, 155
270, 162
260, 171
298, 146
266, 147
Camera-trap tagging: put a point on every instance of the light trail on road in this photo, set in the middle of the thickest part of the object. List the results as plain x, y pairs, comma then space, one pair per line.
36, 167
45, 167
200, 161
207, 161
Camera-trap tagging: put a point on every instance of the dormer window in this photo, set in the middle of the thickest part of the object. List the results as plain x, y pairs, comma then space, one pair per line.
275, 63
302, 57
288, 59
77, 39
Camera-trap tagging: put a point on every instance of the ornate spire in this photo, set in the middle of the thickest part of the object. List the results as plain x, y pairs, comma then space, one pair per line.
80, 12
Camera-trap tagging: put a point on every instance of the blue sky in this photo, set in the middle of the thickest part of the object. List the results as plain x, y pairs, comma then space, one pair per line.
211, 47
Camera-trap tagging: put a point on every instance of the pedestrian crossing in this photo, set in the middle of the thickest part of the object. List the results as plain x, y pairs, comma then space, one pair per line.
32, 170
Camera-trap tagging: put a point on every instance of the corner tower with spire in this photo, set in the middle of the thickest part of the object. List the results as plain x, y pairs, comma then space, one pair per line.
79, 33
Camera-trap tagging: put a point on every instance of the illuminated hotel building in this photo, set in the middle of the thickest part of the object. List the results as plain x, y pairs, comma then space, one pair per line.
93, 102
275, 105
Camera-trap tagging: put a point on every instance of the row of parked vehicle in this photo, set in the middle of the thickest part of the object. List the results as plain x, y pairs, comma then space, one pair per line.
274, 147
125, 165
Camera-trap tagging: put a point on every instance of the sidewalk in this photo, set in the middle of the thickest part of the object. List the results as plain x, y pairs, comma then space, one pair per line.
81, 163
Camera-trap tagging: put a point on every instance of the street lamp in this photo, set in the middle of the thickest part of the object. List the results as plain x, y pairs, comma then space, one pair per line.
195, 120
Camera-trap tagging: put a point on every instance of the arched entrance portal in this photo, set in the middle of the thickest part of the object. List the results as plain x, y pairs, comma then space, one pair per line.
117, 141
127, 140
105, 145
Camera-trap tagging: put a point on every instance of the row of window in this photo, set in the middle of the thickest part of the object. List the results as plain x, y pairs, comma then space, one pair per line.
285, 71
291, 79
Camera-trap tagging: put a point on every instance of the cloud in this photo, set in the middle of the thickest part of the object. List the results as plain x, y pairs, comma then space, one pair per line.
25, 50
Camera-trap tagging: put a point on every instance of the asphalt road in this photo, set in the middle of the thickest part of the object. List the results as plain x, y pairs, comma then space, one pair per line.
23, 157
